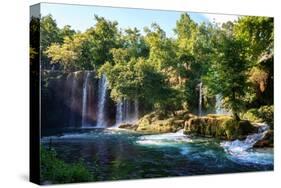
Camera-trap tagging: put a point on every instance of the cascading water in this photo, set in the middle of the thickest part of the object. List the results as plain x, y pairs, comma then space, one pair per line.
219, 106
238, 146
125, 113
84, 100
119, 112
102, 91
243, 152
200, 100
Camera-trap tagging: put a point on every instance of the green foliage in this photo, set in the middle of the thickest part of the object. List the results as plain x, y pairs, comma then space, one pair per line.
266, 114
72, 54
257, 35
138, 79
262, 114
57, 171
234, 60
252, 115
227, 73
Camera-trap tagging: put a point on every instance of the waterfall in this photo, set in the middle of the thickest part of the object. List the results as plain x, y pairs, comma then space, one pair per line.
200, 100
84, 100
102, 91
136, 109
238, 146
219, 106
119, 112
126, 111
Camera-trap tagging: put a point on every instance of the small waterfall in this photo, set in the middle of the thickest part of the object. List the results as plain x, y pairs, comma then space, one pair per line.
84, 100
102, 91
219, 106
126, 111
136, 109
119, 112
200, 99
238, 146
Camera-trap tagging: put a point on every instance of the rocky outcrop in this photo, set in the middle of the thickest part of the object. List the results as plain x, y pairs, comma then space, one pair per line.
157, 122
222, 127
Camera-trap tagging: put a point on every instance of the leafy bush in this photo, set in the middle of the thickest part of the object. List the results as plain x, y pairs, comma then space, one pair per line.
252, 115
57, 171
262, 114
266, 114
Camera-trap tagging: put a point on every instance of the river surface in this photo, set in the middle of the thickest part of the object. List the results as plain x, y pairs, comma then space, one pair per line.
113, 154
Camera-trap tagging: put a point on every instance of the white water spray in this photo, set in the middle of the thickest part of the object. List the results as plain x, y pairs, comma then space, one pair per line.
238, 146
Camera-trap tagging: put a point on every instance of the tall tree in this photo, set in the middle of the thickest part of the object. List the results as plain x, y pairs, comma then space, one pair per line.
227, 73
49, 33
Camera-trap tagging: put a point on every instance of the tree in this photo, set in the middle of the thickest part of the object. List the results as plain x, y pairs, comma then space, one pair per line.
189, 67
66, 31
71, 54
49, 33
133, 41
102, 38
257, 35
227, 73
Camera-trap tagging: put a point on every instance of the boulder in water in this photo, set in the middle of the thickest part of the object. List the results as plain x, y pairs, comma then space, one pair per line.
156, 122
219, 126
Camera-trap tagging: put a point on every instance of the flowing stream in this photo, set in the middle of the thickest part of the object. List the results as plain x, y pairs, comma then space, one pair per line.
242, 150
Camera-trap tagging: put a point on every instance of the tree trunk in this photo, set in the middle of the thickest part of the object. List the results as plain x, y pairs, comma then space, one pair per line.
236, 116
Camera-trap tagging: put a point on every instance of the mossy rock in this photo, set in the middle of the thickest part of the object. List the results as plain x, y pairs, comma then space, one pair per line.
222, 127
157, 122
152, 123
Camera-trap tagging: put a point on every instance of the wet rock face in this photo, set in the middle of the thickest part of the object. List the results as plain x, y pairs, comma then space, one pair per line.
222, 127
61, 100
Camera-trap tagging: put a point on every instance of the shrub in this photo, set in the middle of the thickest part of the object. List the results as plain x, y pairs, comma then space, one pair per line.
266, 114
57, 171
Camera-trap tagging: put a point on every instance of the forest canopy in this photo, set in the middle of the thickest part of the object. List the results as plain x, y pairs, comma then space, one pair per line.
233, 60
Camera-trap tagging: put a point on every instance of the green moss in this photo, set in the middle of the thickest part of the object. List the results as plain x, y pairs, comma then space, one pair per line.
223, 127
